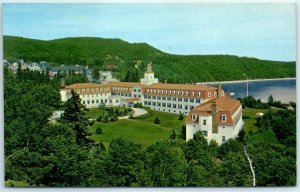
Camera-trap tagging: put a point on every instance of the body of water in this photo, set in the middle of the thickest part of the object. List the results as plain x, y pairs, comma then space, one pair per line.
283, 90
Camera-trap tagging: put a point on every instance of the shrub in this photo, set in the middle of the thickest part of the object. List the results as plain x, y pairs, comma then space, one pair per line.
99, 119
156, 120
98, 130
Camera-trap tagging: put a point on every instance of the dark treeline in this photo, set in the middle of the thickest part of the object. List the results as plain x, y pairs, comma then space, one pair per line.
38, 153
121, 57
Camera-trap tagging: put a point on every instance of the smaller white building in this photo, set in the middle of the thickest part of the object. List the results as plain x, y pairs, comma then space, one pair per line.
219, 119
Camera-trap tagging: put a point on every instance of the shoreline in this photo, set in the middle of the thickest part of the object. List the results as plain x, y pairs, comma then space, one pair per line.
244, 81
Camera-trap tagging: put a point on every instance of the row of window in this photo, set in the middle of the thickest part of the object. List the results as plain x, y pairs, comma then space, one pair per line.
122, 94
169, 105
121, 89
168, 110
173, 92
172, 98
194, 117
93, 101
92, 95
90, 90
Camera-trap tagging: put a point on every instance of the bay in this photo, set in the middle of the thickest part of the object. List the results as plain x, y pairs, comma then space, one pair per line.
283, 90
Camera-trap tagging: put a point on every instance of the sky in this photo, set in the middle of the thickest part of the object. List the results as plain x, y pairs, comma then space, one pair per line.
261, 30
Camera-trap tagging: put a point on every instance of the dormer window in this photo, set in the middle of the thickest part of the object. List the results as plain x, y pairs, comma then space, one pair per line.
215, 93
186, 93
169, 92
194, 117
209, 94
78, 90
177, 92
198, 94
192, 93
83, 90
223, 118
173, 92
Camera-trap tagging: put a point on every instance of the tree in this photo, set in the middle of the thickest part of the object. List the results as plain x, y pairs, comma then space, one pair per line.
96, 73
164, 165
271, 100
98, 130
156, 120
180, 116
123, 163
173, 135
183, 132
99, 119
75, 116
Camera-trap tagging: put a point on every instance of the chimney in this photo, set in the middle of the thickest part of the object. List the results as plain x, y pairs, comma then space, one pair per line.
214, 114
219, 90
62, 83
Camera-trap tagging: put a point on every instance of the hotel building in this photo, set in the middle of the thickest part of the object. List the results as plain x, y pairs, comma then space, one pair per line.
187, 99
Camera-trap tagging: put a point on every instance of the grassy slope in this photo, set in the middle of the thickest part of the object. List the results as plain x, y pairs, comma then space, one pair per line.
173, 68
142, 131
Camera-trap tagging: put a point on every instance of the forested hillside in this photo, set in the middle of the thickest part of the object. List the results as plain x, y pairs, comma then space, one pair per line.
124, 56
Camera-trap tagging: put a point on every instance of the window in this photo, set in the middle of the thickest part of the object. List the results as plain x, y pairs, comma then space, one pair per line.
179, 99
204, 121
174, 98
154, 103
173, 92
223, 139
169, 98
174, 106
153, 97
194, 117
186, 107
158, 97
198, 101
169, 92
215, 93
192, 100
186, 100
169, 105
186, 93
205, 133
158, 104
223, 118
209, 94
145, 102
164, 104
179, 106
191, 107
163, 98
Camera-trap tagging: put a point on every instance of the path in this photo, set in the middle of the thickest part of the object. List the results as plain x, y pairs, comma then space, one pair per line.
137, 112
251, 166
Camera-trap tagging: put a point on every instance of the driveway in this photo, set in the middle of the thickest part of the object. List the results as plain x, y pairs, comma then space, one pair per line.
137, 112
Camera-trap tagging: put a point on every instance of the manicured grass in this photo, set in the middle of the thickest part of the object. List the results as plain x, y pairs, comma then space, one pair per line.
142, 131
93, 113
136, 131
251, 121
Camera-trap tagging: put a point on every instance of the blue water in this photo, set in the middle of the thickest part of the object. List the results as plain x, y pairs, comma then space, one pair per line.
283, 90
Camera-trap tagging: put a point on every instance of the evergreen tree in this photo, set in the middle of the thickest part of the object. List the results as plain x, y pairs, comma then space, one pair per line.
156, 120
74, 115
173, 135
180, 116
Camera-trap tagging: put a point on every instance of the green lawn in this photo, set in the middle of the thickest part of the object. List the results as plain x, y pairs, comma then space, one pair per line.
142, 131
251, 121
93, 113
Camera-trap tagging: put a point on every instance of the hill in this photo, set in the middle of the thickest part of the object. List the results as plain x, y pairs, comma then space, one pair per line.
123, 56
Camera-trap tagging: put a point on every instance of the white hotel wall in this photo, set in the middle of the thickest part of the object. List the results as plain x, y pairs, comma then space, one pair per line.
227, 131
171, 109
